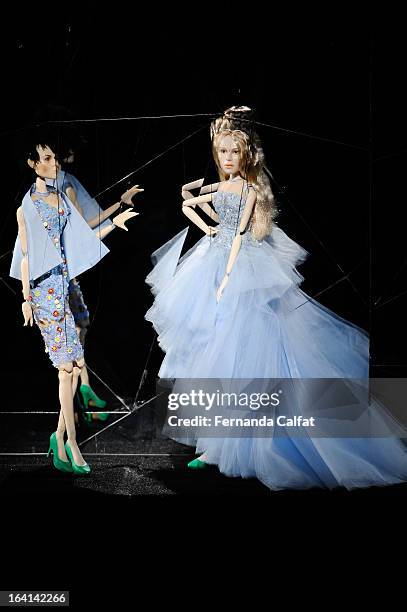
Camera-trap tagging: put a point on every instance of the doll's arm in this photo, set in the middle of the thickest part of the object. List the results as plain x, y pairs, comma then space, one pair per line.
25, 275
209, 188
98, 220
102, 233
105, 214
208, 210
203, 205
212, 214
71, 193
186, 189
187, 195
118, 221
195, 218
237, 241
188, 210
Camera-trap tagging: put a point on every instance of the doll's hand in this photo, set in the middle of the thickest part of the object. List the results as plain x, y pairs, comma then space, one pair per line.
27, 314
127, 195
211, 231
222, 287
186, 189
121, 219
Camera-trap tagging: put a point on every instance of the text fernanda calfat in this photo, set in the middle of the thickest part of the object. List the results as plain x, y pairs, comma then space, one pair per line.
219, 421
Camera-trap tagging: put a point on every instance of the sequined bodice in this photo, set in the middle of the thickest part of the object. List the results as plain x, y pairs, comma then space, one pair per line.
230, 207
54, 221
227, 206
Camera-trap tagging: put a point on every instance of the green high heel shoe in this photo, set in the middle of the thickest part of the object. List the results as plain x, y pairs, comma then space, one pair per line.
63, 466
87, 395
197, 464
77, 469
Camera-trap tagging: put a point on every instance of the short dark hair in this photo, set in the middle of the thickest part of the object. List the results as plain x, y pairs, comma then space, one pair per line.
39, 137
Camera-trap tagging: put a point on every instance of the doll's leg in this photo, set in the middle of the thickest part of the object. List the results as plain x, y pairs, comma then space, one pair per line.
60, 433
66, 386
80, 314
81, 331
76, 373
84, 376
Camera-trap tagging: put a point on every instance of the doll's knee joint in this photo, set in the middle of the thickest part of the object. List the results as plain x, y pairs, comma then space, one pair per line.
65, 371
76, 371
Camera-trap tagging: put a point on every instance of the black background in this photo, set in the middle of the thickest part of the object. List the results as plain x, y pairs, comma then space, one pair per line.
329, 75
333, 100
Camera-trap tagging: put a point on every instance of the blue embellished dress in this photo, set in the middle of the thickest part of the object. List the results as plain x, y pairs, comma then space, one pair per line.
90, 209
77, 305
50, 293
264, 327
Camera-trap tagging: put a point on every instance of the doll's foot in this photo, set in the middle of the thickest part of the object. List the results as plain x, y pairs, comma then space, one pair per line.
61, 446
79, 465
73, 451
91, 400
198, 464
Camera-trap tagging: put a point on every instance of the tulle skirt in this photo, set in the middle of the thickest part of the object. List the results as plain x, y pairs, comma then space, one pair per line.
265, 327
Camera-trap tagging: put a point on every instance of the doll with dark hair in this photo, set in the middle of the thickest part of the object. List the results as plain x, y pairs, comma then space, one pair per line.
55, 245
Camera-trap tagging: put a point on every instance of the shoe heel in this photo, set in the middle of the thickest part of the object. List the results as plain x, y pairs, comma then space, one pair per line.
88, 394
63, 466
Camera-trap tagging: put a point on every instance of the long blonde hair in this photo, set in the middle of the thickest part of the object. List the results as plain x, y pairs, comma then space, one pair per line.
233, 124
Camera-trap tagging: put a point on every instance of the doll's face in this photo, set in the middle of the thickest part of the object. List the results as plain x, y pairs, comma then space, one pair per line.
229, 155
47, 166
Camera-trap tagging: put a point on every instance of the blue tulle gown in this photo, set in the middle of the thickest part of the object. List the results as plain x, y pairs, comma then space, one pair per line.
264, 326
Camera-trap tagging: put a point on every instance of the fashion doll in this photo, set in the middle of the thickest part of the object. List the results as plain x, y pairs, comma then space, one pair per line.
55, 245
231, 308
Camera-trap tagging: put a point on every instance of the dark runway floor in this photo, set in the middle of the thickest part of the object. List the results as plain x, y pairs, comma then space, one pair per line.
121, 477
132, 477
118, 478
131, 460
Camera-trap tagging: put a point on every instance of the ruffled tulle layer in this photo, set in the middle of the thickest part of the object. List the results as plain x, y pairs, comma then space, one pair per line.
265, 326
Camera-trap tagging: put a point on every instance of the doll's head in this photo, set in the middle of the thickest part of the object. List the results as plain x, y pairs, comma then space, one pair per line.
59, 123
42, 159
237, 150
232, 153
234, 132
227, 153
236, 118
